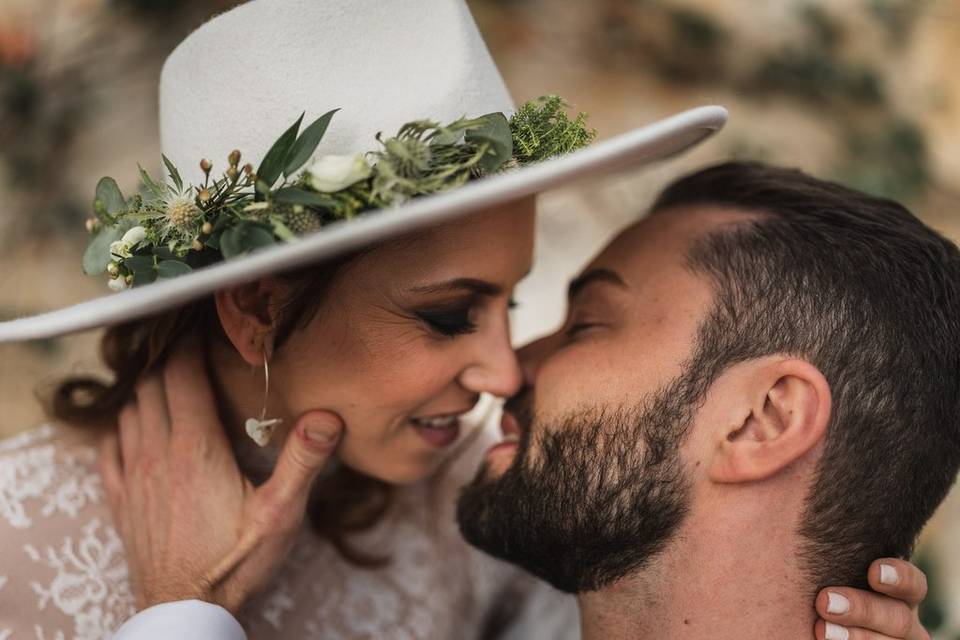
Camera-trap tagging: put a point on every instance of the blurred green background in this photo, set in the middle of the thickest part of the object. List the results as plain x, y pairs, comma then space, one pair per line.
862, 91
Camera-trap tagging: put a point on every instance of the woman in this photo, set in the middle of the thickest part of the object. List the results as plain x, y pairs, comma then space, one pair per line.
397, 333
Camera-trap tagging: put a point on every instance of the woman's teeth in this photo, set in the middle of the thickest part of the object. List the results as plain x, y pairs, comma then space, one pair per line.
444, 422
511, 437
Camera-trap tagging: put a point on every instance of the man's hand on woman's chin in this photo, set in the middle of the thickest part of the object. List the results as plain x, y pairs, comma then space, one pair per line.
891, 612
193, 526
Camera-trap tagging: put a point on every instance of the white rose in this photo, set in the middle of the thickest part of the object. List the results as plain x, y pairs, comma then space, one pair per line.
333, 173
134, 236
123, 247
118, 284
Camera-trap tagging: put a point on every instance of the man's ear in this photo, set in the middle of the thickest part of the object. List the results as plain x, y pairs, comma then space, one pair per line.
247, 315
787, 414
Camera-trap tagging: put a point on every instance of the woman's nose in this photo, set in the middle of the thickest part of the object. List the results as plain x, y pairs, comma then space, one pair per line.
495, 369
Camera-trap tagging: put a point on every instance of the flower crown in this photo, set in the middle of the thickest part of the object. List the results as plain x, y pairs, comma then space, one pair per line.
171, 228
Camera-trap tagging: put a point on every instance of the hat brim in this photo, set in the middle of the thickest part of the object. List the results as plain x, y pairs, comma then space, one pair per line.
641, 146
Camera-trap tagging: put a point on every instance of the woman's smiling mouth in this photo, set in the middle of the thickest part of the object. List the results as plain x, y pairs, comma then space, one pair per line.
439, 431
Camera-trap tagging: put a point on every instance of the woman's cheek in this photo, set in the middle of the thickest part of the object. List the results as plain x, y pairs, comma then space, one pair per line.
392, 463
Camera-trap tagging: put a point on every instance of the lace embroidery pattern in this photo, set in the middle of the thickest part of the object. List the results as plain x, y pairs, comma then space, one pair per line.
90, 582
31, 472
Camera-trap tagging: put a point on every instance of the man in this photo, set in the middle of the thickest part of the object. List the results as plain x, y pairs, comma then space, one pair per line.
761, 376
760, 379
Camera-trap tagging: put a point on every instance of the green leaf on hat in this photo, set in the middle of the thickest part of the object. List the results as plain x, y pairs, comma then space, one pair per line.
144, 269
155, 190
276, 158
172, 268
221, 225
174, 174
97, 256
296, 195
450, 136
495, 131
164, 253
307, 143
244, 238
108, 198
259, 237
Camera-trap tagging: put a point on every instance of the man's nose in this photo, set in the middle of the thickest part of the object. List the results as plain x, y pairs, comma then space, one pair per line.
533, 355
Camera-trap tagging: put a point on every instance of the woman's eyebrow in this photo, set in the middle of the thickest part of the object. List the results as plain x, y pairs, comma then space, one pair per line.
472, 285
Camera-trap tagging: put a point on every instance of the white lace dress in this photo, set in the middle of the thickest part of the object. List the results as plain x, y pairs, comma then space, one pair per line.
63, 574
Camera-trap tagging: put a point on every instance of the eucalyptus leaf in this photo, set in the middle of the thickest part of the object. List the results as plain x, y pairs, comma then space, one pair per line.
172, 268
276, 158
447, 137
109, 196
260, 237
144, 269
213, 240
495, 130
164, 253
97, 256
307, 143
244, 238
174, 174
296, 195
231, 242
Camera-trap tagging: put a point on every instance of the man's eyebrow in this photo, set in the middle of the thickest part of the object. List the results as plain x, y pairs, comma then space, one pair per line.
472, 285
594, 275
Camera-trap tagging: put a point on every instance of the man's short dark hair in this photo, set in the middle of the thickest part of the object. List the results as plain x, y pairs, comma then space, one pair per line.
870, 295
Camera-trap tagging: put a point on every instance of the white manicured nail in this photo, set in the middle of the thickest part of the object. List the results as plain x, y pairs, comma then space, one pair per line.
836, 632
888, 574
837, 603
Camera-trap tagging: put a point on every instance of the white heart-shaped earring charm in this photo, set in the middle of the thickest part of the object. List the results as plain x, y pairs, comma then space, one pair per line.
260, 431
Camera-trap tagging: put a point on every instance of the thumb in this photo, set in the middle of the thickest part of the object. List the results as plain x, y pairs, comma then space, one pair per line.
308, 447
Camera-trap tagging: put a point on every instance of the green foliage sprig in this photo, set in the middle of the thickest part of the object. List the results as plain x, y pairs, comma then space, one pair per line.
541, 129
172, 228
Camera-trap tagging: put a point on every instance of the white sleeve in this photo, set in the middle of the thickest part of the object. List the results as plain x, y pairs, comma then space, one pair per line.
184, 620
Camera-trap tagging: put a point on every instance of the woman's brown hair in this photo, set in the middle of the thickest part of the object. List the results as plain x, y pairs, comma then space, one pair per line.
340, 503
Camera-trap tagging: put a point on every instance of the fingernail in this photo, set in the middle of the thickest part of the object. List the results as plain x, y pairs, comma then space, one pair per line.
836, 632
320, 433
888, 574
837, 603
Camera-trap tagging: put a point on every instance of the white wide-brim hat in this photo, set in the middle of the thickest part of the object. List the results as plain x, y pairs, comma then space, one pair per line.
241, 78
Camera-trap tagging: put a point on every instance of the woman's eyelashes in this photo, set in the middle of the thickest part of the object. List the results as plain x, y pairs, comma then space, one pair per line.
456, 320
449, 322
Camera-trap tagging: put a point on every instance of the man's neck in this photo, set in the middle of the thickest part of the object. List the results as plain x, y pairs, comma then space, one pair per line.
738, 582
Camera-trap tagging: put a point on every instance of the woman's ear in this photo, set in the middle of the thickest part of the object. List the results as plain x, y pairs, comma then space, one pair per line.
787, 416
247, 314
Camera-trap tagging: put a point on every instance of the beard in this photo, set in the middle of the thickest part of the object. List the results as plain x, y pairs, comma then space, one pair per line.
605, 494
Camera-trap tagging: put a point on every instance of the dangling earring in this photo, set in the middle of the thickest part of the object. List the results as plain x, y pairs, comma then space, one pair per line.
260, 431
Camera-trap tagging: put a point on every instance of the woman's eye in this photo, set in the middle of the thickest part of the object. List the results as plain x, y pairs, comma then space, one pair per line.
512, 304
455, 322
